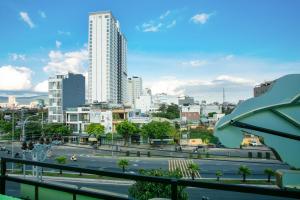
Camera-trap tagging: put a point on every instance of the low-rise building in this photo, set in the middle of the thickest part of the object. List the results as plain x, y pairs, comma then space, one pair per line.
190, 113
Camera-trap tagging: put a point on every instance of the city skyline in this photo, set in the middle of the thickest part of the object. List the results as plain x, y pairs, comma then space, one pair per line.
195, 49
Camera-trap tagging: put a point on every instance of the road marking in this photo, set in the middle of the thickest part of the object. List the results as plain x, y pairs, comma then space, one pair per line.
182, 166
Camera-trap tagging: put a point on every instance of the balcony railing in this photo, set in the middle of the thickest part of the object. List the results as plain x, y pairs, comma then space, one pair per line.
171, 181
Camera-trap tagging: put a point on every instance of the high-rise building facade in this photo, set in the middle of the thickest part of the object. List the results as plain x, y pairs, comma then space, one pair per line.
64, 91
107, 76
135, 89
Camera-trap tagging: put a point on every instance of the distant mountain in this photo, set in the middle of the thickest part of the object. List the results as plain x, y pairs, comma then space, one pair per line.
25, 100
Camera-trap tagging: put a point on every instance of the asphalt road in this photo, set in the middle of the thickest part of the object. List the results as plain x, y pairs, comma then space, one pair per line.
208, 168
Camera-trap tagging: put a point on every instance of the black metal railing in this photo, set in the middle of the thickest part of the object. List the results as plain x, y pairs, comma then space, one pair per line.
171, 181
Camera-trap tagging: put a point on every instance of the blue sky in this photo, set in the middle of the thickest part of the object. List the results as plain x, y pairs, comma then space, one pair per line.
194, 47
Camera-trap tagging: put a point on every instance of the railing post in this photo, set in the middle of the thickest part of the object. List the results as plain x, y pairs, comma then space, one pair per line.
2, 180
174, 189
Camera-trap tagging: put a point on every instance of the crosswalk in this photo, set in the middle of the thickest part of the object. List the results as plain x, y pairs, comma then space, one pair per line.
182, 165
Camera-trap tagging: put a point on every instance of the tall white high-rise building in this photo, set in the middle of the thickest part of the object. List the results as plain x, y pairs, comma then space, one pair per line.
135, 89
107, 77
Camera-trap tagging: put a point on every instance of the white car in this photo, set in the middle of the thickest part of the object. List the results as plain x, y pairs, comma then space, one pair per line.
254, 144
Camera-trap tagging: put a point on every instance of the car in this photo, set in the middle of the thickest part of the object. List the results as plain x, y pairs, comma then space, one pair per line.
254, 144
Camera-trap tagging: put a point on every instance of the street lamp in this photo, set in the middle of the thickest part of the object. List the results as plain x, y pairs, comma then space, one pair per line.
23, 128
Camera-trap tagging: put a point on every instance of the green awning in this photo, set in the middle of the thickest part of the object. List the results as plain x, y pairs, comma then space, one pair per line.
3, 197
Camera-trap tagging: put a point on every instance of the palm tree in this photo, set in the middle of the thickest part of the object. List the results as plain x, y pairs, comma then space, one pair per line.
219, 174
244, 171
269, 172
61, 160
123, 163
193, 167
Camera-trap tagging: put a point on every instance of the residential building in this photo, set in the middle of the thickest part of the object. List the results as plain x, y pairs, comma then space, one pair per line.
144, 103
78, 118
65, 91
210, 108
119, 115
12, 103
190, 113
103, 117
262, 88
135, 90
107, 75
186, 100
164, 98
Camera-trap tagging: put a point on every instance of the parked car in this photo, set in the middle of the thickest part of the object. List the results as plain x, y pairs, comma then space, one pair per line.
254, 144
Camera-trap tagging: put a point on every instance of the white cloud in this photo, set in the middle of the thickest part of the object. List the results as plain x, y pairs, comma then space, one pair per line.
151, 27
161, 23
15, 56
15, 78
165, 14
195, 63
25, 17
42, 14
57, 44
41, 87
60, 32
203, 89
63, 63
172, 24
233, 80
200, 18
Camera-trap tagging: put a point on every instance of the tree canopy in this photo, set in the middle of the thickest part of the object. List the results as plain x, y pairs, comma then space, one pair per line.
96, 129
142, 190
56, 129
170, 112
126, 129
204, 134
158, 130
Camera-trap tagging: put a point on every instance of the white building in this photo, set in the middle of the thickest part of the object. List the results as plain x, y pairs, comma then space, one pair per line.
135, 90
80, 117
144, 103
65, 91
12, 102
163, 98
210, 108
103, 117
107, 60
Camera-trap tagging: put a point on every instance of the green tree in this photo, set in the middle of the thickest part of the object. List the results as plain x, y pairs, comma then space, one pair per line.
61, 160
204, 134
194, 168
56, 129
211, 114
144, 190
269, 172
219, 174
126, 129
123, 164
244, 171
96, 129
5, 127
157, 130
33, 129
170, 112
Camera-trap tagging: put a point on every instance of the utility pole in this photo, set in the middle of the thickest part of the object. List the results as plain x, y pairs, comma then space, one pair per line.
42, 122
12, 138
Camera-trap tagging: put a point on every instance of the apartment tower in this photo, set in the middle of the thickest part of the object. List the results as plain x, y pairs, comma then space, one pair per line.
107, 76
